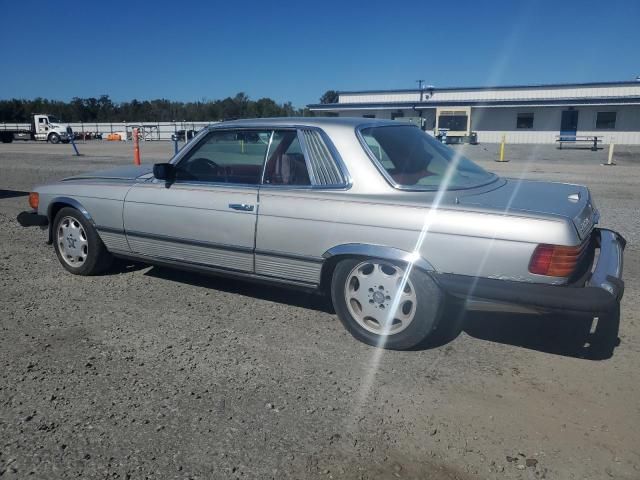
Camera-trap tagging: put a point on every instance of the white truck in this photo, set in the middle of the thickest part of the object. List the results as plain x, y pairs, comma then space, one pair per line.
43, 127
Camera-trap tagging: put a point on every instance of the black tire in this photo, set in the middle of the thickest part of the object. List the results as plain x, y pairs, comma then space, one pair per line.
429, 306
98, 259
54, 138
6, 137
450, 325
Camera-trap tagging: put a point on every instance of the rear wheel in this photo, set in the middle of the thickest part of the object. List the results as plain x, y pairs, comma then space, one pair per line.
78, 245
381, 304
54, 138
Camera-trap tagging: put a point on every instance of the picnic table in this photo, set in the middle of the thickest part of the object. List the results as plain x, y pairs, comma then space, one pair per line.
573, 139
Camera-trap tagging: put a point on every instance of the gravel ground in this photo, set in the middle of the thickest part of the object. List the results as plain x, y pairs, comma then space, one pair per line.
152, 373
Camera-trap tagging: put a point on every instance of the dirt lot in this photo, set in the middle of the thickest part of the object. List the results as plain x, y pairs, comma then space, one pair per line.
151, 373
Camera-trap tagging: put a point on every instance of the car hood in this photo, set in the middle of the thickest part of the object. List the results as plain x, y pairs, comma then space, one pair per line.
129, 173
543, 198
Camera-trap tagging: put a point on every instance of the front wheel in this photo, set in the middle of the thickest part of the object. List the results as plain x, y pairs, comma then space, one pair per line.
54, 138
78, 245
383, 304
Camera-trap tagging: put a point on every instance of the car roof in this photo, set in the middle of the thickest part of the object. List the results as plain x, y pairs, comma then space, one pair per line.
319, 122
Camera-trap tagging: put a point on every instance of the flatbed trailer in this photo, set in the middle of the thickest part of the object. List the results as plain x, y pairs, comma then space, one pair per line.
43, 127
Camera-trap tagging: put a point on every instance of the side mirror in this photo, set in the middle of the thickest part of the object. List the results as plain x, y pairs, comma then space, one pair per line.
164, 171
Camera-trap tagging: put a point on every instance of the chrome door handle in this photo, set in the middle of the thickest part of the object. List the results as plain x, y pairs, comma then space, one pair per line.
241, 206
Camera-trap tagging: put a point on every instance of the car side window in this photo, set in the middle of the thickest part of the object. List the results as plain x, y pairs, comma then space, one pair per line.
322, 161
378, 152
226, 156
286, 164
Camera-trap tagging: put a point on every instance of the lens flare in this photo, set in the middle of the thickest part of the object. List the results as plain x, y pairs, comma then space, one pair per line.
374, 363
518, 183
499, 67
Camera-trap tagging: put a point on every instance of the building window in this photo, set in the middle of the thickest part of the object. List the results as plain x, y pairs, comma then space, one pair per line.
606, 120
368, 116
395, 115
524, 120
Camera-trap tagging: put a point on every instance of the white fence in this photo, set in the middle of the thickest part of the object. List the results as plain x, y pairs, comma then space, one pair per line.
149, 131
617, 137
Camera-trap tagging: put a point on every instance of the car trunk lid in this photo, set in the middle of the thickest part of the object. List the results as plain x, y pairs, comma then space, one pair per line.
545, 198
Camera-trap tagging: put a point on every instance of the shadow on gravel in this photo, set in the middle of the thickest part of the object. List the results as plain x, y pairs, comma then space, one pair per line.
123, 266
12, 194
297, 298
566, 335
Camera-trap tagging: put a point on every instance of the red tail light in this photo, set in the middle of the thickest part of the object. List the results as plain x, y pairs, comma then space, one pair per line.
556, 260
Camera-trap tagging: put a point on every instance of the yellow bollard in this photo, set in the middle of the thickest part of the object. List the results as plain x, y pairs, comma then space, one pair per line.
501, 159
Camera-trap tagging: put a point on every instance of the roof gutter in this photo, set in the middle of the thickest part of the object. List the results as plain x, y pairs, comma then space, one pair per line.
574, 102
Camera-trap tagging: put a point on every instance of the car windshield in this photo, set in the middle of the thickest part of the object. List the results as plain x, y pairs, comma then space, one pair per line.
413, 159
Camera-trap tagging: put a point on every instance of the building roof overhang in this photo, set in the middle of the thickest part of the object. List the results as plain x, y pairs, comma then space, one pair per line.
537, 102
535, 86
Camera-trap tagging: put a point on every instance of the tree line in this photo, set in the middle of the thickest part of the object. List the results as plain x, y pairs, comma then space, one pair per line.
103, 109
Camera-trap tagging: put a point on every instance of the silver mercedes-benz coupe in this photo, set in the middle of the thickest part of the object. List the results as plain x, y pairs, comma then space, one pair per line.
378, 214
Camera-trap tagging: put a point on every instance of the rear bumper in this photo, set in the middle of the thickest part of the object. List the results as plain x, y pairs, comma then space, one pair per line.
32, 219
601, 293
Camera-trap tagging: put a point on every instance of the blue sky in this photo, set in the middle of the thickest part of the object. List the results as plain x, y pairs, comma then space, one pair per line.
296, 50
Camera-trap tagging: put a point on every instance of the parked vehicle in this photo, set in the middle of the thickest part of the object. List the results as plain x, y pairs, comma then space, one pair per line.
378, 214
43, 127
453, 125
180, 135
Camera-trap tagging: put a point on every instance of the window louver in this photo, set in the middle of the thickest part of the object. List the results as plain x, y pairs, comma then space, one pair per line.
324, 170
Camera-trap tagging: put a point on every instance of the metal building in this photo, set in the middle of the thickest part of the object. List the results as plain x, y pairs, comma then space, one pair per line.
523, 114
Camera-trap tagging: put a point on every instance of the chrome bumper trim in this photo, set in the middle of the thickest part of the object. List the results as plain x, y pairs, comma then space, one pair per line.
608, 270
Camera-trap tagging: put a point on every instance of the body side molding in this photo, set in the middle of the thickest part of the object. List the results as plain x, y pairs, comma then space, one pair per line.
214, 270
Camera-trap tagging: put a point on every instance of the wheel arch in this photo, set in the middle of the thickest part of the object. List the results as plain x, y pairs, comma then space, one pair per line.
58, 203
363, 250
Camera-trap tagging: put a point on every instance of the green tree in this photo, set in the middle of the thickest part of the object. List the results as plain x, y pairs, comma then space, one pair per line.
103, 109
330, 96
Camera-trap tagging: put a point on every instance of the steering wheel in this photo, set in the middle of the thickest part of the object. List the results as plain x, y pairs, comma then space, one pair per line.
205, 162
206, 167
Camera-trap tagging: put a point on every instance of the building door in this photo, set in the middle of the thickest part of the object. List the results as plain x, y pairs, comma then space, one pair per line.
569, 123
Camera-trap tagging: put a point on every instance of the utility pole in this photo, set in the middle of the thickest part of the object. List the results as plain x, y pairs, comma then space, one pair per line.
420, 82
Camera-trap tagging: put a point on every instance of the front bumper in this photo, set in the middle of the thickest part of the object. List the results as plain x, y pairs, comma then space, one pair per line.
601, 292
32, 219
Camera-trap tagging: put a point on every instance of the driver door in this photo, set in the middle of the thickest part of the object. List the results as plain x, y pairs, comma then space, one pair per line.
207, 216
